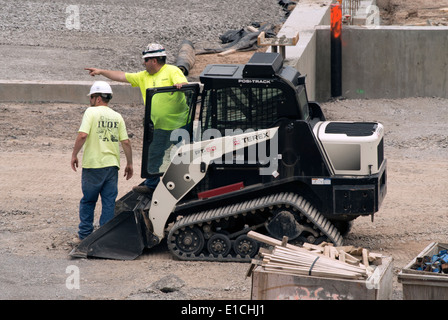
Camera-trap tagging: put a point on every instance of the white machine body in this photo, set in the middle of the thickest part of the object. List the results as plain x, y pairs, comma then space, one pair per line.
352, 148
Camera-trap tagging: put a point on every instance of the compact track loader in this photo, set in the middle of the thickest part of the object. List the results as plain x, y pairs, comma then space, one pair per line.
255, 155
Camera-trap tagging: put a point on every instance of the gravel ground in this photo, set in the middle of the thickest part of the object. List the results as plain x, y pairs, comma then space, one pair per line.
54, 40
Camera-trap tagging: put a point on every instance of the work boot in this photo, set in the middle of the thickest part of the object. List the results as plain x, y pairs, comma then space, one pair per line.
75, 241
143, 190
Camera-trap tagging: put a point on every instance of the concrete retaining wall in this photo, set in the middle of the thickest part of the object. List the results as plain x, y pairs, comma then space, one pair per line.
63, 91
377, 62
386, 62
304, 19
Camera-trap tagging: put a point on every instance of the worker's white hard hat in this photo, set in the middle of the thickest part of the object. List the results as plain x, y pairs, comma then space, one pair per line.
100, 87
153, 50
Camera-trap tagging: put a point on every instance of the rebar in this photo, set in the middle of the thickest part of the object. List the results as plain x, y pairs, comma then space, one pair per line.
349, 8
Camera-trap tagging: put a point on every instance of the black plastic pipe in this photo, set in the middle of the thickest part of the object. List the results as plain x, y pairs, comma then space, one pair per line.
336, 50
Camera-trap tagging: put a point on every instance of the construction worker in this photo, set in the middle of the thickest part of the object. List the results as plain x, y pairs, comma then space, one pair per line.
102, 130
168, 111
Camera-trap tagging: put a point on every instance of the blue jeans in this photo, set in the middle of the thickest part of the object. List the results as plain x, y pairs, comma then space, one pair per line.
95, 182
159, 144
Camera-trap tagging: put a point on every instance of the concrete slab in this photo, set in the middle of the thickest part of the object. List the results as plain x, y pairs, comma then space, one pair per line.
62, 91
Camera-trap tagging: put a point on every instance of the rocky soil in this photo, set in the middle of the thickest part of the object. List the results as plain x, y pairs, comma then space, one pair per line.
55, 40
414, 13
40, 195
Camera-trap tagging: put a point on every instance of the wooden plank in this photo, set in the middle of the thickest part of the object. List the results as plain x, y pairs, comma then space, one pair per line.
334, 253
252, 29
313, 247
356, 251
351, 259
253, 265
334, 261
277, 41
425, 277
316, 260
365, 257
226, 53
342, 256
345, 248
268, 240
284, 241
326, 251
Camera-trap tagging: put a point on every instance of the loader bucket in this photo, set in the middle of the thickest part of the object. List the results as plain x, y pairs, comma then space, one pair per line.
120, 239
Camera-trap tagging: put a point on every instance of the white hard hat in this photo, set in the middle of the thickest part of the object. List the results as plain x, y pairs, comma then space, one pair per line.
100, 87
153, 50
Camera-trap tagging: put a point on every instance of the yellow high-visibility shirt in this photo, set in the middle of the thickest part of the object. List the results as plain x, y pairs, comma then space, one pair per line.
169, 111
105, 128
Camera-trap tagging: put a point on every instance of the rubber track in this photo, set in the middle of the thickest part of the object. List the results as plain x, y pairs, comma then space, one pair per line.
291, 199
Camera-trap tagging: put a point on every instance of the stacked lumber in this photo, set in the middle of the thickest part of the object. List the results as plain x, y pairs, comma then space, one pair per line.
349, 254
323, 260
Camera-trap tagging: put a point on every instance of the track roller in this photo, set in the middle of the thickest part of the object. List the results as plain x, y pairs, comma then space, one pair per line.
219, 234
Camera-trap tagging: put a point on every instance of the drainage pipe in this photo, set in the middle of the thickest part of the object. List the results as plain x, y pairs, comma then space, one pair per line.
186, 57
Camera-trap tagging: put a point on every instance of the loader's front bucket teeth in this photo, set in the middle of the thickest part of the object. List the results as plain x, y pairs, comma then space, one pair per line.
120, 238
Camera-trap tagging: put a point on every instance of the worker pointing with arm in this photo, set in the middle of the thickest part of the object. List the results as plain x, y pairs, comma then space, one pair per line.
167, 113
101, 132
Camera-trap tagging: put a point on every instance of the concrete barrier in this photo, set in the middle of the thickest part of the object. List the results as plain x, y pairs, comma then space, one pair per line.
62, 91
386, 62
304, 19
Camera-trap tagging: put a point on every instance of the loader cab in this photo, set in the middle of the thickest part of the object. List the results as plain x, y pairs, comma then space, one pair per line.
237, 99
161, 138
231, 99
252, 96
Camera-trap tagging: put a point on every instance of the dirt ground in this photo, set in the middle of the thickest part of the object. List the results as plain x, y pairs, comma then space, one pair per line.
416, 12
40, 195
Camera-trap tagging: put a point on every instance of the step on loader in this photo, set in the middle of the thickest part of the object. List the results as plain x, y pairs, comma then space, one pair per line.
254, 154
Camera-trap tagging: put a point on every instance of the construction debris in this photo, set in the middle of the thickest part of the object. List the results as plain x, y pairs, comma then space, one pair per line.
244, 39
423, 278
277, 43
437, 263
324, 260
186, 57
287, 6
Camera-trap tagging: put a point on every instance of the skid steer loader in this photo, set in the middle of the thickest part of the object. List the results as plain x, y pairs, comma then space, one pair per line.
255, 155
